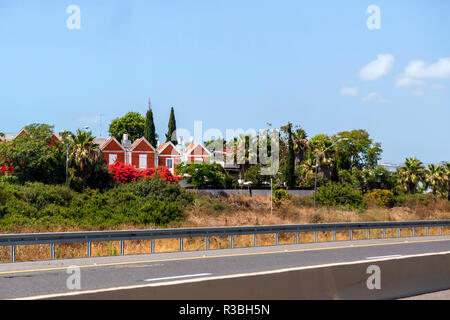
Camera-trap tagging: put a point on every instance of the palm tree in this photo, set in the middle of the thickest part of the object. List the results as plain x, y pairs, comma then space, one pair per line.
445, 183
245, 152
434, 176
301, 144
411, 174
84, 154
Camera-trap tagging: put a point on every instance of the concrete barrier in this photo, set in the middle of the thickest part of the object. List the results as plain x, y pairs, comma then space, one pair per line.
400, 277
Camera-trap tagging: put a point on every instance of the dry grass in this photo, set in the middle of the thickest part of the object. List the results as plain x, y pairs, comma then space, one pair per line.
238, 210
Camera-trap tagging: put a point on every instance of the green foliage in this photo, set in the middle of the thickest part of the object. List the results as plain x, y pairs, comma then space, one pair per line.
205, 175
253, 174
369, 179
339, 195
160, 213
290, 161
35, 156
382, 198
280, 195
172, 127
132, 124
149, 130
86, 165
411, 174
413, 200
147, 202
359, 151
8, 178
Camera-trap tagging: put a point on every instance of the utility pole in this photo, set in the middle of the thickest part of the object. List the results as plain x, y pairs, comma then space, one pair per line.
315, 178
271, 178
67, 163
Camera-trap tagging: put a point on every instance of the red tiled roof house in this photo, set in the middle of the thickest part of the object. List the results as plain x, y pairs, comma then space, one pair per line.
196, 153
143, 154
168, 156
112, 151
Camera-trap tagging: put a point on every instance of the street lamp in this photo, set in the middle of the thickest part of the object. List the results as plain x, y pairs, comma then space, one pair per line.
271, 183
67, 158
317, 166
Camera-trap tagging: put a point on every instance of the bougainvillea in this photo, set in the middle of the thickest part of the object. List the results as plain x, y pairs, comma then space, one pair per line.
125, 173
4, 169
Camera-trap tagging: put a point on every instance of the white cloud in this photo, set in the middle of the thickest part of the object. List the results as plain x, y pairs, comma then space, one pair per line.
405, 81
374, 97
417, 70
377, 68
417, 92
436, 86
353, 91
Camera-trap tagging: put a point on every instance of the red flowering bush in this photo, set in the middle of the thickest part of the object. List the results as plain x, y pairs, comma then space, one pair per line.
125, 173
6, 170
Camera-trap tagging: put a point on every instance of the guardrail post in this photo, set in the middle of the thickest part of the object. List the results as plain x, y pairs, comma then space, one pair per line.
152, 246
122, 247
297, 237
207, 242
334, 235
440, 230
232, 242
384, 233
351, 234
368, 234
316, 237
276, 238
88, 249
52, 251
413, 231
181, 244
399, 233
426, 231
255, 240
13, 253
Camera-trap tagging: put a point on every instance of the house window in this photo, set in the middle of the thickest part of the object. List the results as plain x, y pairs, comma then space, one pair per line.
169, 163
143, 161
112, 158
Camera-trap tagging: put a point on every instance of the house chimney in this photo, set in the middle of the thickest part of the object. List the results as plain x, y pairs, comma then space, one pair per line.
125, 142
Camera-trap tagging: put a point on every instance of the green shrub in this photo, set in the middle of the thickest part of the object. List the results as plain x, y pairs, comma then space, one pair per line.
150, 201
382, 198
160, 213
339, 195
11, 179
413, 200
279, 195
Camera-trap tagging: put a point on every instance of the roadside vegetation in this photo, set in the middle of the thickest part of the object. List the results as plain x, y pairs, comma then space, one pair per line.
35, 197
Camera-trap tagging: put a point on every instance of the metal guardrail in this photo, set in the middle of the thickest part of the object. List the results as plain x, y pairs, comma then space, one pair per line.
14, 240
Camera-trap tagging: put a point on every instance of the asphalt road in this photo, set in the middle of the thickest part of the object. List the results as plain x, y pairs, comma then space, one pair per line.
30, 279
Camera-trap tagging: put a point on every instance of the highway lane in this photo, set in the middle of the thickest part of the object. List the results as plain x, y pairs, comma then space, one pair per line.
30, 279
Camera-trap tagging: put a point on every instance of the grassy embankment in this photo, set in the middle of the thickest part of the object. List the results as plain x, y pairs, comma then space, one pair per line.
39, 208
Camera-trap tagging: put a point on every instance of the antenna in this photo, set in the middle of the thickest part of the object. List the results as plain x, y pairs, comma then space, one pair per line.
101, 125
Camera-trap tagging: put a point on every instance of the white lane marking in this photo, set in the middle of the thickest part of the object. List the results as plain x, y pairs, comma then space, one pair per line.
179, 277
160, 284
384, 257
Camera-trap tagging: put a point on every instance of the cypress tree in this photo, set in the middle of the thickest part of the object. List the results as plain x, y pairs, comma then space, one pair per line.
172, 128
149, 130
290, 173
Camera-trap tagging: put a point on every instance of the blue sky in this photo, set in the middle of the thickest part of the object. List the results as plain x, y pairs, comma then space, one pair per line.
234, 64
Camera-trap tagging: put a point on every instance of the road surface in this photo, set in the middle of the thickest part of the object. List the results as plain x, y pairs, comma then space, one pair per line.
31, 279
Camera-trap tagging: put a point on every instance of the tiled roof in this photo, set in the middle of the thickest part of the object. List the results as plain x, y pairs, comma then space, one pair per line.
161, 147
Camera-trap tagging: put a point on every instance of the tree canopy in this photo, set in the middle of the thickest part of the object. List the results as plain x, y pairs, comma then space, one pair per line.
132, 124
